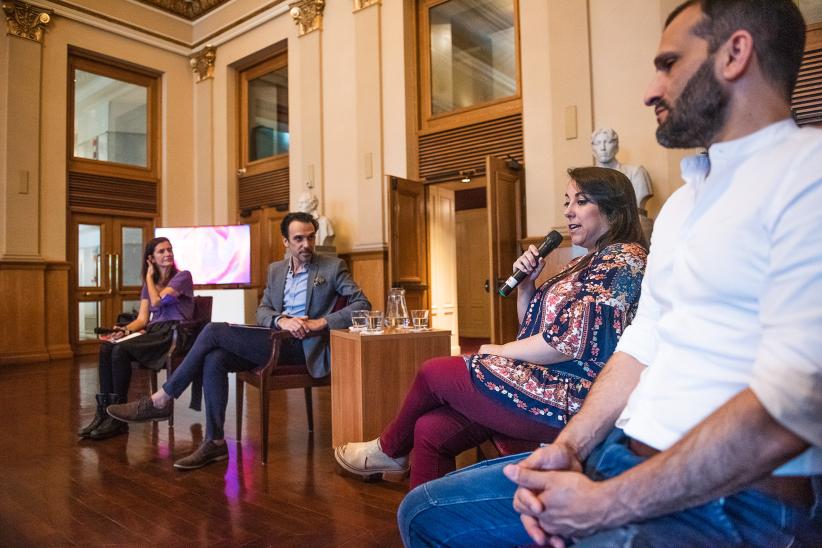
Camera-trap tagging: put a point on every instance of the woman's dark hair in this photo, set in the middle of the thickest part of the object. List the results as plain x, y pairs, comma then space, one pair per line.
148, 252
614, 195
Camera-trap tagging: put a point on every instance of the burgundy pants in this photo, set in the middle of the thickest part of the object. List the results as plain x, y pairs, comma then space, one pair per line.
444, 414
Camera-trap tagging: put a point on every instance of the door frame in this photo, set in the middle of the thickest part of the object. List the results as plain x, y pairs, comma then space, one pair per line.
503, 312
110, 291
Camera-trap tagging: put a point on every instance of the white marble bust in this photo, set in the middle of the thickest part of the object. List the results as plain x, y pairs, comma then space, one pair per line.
605, 145
308, 203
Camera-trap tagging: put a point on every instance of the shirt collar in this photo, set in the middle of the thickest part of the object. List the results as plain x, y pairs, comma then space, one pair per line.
695, 168
307, 266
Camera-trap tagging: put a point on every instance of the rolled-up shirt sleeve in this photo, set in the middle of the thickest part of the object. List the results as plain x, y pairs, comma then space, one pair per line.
787, 373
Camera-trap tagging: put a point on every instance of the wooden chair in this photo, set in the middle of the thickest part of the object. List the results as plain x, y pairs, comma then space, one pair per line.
501, 445
276, 376
183, 336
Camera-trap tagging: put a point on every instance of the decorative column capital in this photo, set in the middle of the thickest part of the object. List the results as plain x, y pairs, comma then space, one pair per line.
308, 15
26, 21
202, 63
362, 4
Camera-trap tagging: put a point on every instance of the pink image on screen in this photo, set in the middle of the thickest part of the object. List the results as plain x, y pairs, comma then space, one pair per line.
213, 254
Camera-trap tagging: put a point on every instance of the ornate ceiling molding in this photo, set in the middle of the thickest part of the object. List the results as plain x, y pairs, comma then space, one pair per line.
308, 15
26, 21
202, 63
362, 4
190, 9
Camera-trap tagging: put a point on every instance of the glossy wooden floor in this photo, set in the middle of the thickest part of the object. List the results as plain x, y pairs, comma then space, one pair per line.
58, 491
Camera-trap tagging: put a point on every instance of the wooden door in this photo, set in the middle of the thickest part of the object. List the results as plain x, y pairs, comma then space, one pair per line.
106, 258
442, 226
408, 241
473, 282
505, 196
266, 243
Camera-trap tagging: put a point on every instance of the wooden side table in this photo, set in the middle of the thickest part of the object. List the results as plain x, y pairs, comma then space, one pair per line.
371, 374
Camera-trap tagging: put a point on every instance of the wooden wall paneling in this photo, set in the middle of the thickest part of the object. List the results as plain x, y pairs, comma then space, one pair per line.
22, 320
369, 270
806, 102
258, 269
267, 189
106, 193
57, 310
266, 243
466, 147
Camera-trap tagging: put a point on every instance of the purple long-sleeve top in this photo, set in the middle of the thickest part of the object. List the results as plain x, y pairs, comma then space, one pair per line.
178, 308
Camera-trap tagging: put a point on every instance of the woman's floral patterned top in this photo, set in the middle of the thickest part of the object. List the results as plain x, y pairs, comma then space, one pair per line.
582, 314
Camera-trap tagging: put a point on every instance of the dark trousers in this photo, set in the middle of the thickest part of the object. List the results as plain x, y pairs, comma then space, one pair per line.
114, 369
444, 414
218, 350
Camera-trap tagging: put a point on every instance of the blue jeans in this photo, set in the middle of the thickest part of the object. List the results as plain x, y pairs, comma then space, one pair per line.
473, 507
218, 350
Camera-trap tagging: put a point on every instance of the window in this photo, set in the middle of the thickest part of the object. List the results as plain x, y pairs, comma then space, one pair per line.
264, 116
113, 126
110, 120
469, 59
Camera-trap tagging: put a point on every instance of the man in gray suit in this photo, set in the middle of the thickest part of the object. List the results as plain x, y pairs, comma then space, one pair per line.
300, 297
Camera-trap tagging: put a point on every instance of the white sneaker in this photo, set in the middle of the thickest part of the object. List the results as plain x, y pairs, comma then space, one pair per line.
366, 459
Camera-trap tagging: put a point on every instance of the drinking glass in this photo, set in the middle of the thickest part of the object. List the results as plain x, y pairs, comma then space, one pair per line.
375, 322
420, 319
359, 320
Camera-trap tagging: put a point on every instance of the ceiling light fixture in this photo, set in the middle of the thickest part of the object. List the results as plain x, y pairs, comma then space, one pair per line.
465, 175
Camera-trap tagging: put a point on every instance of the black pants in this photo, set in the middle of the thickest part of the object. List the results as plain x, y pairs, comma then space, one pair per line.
114, 369
149, 349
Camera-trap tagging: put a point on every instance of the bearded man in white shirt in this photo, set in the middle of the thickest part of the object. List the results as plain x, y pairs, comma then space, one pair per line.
716, 388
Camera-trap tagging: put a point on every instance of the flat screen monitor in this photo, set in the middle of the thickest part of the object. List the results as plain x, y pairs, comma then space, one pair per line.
213, 254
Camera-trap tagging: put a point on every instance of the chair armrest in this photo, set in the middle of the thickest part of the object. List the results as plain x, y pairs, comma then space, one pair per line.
277, 338
188, 330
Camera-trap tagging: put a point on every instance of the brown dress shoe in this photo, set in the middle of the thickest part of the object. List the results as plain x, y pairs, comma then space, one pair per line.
142, 410
207, 453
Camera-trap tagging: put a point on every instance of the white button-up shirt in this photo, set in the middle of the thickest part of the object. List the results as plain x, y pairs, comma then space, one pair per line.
732, 295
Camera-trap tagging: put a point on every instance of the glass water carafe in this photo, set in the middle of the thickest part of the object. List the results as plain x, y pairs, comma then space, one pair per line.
397, 311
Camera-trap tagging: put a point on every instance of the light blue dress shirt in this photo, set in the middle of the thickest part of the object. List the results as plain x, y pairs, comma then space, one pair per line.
296, 287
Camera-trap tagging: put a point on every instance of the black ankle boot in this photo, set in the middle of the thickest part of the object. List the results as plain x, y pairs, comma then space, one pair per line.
99, 416
110, 426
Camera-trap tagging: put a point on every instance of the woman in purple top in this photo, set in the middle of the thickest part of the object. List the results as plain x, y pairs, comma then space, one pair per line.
167, 298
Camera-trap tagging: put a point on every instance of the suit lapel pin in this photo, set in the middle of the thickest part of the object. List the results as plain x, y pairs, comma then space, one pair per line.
319, 280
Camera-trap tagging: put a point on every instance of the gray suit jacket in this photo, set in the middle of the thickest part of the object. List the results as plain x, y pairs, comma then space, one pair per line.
328, 278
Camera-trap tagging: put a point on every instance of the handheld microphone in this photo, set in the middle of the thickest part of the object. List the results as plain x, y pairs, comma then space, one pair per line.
106, 330
550, 243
